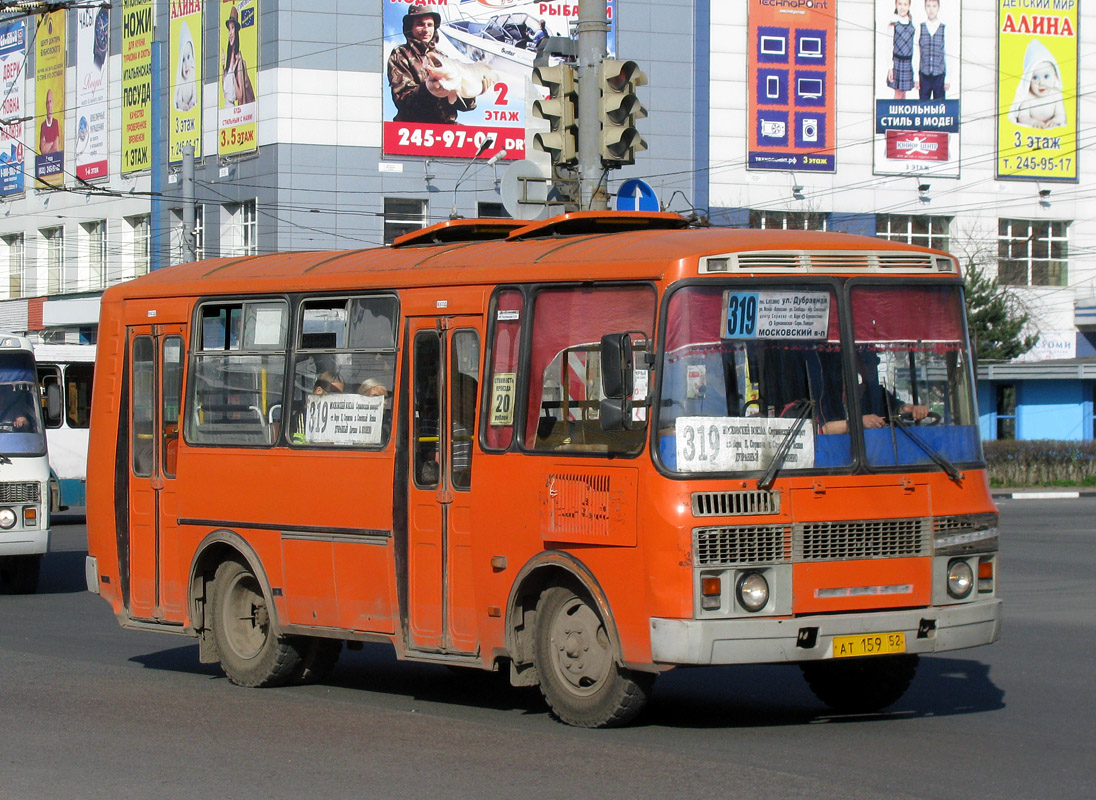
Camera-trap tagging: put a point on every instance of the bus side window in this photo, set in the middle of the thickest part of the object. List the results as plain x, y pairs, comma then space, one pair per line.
78, 379
171, 399
143, 406
503, 381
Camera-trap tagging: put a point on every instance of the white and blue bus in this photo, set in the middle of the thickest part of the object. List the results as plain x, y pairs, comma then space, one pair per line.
69, 367
25, 495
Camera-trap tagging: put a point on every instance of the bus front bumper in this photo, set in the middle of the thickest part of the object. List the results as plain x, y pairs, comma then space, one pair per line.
810, 638
24, 542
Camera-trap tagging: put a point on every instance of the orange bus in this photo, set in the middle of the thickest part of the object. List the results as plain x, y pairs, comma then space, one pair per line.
584, 451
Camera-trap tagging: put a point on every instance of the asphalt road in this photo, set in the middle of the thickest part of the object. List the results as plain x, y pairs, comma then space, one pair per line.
88, 710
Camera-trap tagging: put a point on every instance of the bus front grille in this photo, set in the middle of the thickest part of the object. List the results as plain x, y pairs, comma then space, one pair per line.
747, 544
20, 492
855, 539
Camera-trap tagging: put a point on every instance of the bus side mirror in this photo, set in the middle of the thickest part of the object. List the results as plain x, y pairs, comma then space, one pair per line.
54, 407
616, 365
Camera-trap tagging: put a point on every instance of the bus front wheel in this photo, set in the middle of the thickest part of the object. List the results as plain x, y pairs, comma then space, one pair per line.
861, 685
577, 668
251, 653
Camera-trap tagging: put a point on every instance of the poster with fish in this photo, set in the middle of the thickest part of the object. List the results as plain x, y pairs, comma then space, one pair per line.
49, 99
918, 87
1037, 91
185, 92
237, 109
13, 58
92, 92
457, 72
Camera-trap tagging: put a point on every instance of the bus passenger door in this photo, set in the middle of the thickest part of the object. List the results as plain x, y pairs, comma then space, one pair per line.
445, 368
156, 354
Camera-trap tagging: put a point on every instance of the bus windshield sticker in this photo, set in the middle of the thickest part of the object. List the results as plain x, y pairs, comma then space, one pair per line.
502, 398
343, 419
511, 315
728, 444
775, 314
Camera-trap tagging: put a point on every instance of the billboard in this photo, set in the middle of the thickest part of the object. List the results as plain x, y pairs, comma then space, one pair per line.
917, 87
237, 109
1037, 91
460, 77
92, 92
49, 99
137, 38
792, 88
185, 90
13, 58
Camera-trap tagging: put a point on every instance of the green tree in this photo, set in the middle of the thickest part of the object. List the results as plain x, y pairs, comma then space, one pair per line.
995, 318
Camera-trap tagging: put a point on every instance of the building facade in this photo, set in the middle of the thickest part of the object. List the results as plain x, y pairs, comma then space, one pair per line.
762, 113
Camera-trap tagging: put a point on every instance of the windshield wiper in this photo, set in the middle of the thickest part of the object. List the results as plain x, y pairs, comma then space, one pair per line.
938, 457
766, 480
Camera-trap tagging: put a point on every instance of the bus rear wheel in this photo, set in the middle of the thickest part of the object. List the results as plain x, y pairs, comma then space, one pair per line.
251, 653
861, 685
19, 574
577, 668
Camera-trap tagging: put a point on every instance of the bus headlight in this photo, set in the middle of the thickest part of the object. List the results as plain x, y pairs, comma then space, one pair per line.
960, 579
7, 518
753, 591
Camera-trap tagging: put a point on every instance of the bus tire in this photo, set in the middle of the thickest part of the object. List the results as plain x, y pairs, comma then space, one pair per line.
861, 685
577, 667
318, 659
19, 574
251, 653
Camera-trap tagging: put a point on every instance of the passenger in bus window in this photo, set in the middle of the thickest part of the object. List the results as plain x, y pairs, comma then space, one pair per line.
876, 401
329, 383
16, 410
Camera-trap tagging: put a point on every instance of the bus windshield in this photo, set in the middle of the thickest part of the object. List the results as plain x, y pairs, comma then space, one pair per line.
911, 353
21, 430
744, 365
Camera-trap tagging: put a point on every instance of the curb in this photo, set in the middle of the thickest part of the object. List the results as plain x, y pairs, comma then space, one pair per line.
1042, 495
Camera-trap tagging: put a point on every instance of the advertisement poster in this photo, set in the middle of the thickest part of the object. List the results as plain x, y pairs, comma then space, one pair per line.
92, 92
917, 87
49, 99
185, 91
1037, 90
792, 55
13, 56
237, 109
456, 73
137, 37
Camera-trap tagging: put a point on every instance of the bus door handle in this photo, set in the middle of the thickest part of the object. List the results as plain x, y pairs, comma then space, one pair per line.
156, 482
444, 497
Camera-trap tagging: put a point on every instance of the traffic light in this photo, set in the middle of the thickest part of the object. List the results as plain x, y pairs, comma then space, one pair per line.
560, 109
618, 110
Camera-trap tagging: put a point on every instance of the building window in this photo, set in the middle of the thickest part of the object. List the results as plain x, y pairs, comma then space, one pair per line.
788, 220
54, 239
16, 253
920, 230
250, 228
1032, 252
97, 252
199, 232
491, 210
402, 215
1006, 410
141, 247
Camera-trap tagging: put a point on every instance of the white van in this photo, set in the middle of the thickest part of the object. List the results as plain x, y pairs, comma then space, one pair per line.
24, 468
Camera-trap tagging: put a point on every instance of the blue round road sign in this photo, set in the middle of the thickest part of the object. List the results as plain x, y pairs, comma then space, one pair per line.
636, 195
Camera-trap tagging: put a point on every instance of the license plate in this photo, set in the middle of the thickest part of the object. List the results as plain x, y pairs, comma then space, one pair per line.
869, 644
